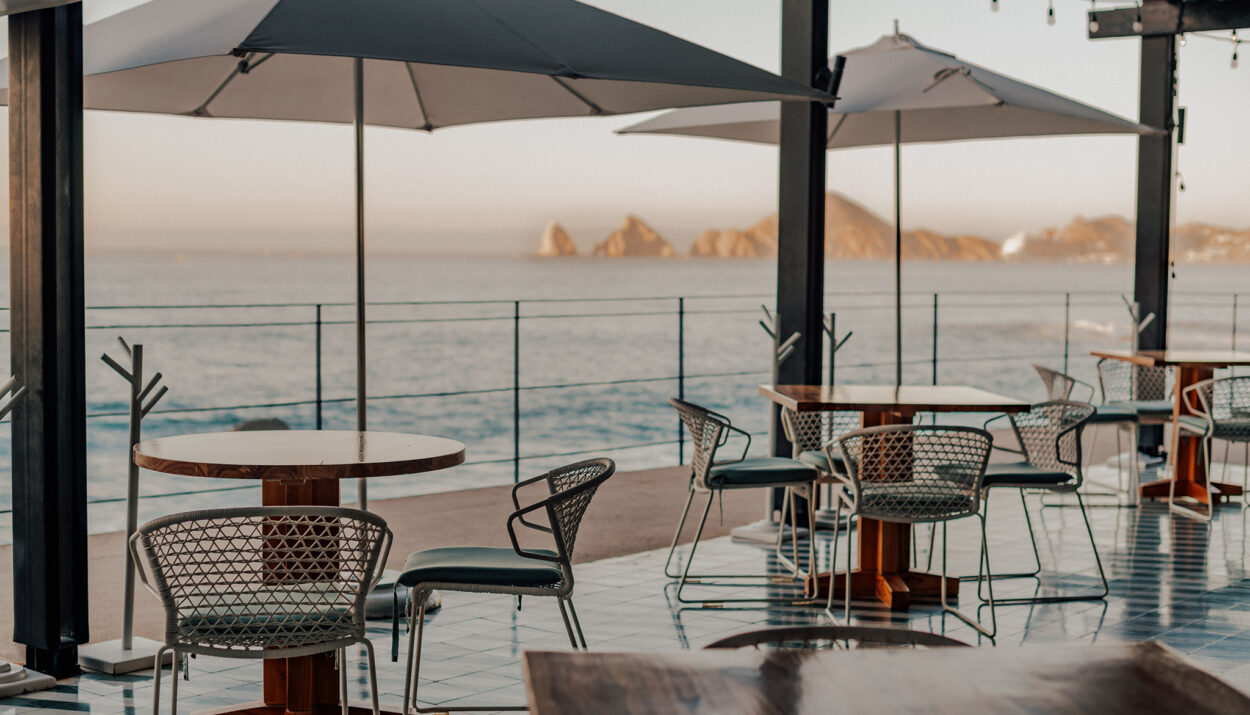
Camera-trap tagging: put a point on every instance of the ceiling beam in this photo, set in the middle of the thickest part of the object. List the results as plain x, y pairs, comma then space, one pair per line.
1159, 17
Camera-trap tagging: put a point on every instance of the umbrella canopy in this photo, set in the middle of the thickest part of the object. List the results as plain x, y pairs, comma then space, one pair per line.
939, 97
898, 91
419, 64
427, 63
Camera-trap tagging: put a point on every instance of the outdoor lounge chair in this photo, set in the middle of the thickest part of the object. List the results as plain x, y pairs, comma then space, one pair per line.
263, 582
514, 571
709, 431
1049, 435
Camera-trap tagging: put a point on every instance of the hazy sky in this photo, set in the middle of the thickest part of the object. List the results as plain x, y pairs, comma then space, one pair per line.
182, 183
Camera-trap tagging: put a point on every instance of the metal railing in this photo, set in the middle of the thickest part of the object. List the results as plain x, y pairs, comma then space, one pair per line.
947, 321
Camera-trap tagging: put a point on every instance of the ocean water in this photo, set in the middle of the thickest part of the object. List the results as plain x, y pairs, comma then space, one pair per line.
598, 341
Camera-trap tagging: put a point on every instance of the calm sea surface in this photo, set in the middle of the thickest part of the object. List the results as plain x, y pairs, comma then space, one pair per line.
595, 373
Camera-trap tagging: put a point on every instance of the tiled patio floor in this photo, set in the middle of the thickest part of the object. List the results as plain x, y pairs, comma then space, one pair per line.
1173, 579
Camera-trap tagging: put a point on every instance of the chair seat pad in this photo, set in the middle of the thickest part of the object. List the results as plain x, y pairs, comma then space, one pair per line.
1107, 414
1194, 423
820, 460
761, 471
266, 617
1151, 408
1022, 474
479, 565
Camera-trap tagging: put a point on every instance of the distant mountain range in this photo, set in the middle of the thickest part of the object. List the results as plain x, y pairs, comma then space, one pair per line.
852, 232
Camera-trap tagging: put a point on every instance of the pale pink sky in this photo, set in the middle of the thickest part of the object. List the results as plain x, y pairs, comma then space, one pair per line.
182, 183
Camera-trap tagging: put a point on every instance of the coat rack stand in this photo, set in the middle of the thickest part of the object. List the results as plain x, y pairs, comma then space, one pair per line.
128, 653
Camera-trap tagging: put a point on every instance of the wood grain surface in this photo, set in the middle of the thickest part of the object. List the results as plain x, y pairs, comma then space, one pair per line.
1056, 680
886, 398
296, 455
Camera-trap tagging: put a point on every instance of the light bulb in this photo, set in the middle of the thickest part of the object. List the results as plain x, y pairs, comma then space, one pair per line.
1050, 14
1233, 64
1137, 26
994, 5
1093, 26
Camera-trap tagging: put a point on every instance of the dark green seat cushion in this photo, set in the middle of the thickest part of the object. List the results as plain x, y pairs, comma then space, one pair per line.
939, 501
1107, 414
1022, 474
481, 565
1149, 408
818, 459
760, 471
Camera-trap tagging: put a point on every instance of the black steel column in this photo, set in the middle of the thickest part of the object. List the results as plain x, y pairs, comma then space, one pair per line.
48, 350
801, 200
1154, 200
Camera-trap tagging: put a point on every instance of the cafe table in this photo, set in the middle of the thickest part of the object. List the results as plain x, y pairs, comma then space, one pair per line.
1122, 679
297, 468
884, 569
1189, 469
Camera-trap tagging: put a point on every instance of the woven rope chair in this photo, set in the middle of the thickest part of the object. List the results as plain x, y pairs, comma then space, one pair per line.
1221, 410
913, 474
808, 433
263, 582
1060, 386
833, 638
1049, 435
709, 431
514, 571
1147, 390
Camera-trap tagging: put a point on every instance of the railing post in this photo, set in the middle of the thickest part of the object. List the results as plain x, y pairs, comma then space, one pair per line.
1067, 323
935, 338
317, 334
681, 376
516, 391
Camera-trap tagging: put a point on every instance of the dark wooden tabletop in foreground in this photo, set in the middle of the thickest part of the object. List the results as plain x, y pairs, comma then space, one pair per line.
1110, 680
298, 454
875, 398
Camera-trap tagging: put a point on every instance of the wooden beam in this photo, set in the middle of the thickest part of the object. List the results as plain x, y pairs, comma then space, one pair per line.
48, 346
1161, 17
801, 198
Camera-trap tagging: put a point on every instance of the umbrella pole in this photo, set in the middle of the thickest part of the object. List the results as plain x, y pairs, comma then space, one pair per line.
358, 89
898, 252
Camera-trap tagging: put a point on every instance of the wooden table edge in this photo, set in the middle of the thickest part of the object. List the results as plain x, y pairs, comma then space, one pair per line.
786, 401
353, 470
1145, 359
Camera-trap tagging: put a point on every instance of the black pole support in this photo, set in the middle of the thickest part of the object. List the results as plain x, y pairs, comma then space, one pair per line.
48, 347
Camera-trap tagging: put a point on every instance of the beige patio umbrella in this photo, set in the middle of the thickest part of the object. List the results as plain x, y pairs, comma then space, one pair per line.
899, 91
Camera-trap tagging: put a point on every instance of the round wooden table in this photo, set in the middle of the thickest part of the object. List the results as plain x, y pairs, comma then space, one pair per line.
298, 468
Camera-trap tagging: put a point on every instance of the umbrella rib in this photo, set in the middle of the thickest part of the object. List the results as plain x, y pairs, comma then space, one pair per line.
836, 127
242, 68
416, 91
594, 108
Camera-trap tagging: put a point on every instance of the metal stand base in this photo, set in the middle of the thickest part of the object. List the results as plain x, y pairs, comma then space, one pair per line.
109, 656
15, 680
380, 602
765, 532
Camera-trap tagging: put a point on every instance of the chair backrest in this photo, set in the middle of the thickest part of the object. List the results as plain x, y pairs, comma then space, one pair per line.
1050, 434
259, 581
833, 637
1226, 401
572, 487
1122, 381
916, 473
811, 431
708, 432
1058, 385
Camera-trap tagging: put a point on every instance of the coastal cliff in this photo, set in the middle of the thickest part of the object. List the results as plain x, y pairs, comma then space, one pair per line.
635, 238
555, 242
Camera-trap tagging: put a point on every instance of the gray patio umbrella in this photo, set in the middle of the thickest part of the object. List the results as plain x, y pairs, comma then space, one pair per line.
418, 64
898, 91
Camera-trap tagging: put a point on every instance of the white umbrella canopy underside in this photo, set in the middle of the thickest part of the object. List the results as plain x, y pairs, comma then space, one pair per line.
427, 63
939, 98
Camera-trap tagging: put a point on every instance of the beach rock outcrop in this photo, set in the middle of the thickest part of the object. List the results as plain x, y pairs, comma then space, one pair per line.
633, 239
555, 242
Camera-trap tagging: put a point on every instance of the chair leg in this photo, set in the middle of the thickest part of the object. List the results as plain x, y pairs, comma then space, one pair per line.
342, 658
833, 557
373, 679
1080, 502
1037, 556
946, 607
846, 586
156, 677
577, 624
173, 689
694, 545
416, 624
681, 524
568, 627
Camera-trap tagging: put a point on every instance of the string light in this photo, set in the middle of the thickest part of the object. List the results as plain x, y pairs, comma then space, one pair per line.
1050, 13
1093, 23
994, 5
1137, 23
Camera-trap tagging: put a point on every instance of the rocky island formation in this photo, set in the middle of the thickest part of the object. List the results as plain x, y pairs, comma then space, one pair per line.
1111, 239
852, 232
555, 242
635, 238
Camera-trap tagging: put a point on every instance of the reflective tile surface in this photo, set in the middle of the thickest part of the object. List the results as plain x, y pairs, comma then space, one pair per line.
1173, 579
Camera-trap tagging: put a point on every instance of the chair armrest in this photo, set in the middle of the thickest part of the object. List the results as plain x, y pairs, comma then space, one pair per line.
1087, 386
1187, 395
993, 445
847, 479
516, 501
388, 538
140, 567
519, 515
745, 448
